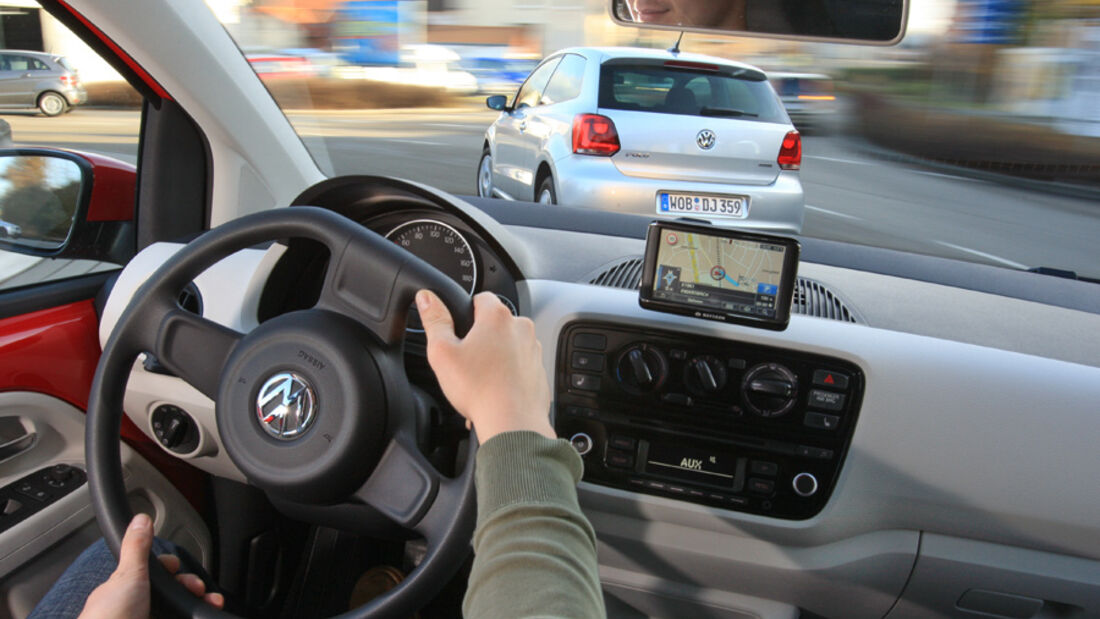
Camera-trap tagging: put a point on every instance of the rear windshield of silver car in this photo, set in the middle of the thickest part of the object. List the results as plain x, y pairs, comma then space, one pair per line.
689, 88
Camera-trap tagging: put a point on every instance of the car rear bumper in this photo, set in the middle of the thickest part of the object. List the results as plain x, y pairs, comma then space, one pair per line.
75, 96
596, 182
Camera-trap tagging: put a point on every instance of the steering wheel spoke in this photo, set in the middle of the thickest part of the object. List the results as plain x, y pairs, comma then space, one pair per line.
195, 349
375, 283
404, 485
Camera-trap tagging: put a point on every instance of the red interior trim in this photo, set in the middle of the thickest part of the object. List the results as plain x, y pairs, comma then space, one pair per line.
123, 56
52, 351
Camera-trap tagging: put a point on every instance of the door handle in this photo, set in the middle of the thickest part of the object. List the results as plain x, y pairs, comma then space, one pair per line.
16, 446
17, 436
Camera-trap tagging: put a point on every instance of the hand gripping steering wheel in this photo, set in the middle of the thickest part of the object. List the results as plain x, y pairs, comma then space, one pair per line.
313, 406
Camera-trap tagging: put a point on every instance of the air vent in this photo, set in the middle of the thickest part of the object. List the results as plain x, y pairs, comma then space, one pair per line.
190, 299
626, 273
811, 297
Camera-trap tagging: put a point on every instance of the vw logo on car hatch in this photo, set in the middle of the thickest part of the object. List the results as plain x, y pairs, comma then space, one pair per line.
706, 139
286, 406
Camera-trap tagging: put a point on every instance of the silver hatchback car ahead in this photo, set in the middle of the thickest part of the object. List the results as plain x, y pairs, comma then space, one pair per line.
651, 132
39, 80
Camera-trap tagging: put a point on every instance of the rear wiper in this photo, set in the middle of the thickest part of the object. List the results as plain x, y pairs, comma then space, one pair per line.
1063, 273
724, 111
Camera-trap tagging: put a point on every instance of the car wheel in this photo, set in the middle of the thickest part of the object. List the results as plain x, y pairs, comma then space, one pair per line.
485, 175
52, 104
546, 194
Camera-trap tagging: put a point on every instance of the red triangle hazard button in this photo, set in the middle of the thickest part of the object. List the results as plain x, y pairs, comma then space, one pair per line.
829, 380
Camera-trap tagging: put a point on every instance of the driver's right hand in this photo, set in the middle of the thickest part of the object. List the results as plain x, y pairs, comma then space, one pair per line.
494, 376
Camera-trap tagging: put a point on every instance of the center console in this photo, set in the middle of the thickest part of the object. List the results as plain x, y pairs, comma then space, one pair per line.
743, 427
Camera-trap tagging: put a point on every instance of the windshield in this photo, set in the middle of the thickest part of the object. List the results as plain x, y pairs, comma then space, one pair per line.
976, 138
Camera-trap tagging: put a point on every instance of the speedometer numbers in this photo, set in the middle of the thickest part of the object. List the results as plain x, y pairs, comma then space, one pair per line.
441, 246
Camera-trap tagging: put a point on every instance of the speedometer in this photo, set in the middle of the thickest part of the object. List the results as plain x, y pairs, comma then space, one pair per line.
441, 246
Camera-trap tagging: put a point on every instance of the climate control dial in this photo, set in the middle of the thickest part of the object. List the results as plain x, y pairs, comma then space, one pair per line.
705, 375
641, 368
769, 390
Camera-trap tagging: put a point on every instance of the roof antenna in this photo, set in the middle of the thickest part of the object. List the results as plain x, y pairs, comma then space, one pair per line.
675, 49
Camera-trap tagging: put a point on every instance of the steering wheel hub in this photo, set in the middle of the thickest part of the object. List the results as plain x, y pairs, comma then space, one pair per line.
286, 416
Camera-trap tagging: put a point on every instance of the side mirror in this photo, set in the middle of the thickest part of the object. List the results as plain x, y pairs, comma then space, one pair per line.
498, 103
49, 207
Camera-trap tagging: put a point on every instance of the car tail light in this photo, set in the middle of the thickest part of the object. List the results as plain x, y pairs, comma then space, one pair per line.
790, 153
594, 135
68, 80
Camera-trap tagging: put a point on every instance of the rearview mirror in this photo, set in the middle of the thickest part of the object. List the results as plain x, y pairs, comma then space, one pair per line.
879, 22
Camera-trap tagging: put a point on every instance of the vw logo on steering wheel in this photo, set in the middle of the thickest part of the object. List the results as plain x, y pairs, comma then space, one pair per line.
286, 406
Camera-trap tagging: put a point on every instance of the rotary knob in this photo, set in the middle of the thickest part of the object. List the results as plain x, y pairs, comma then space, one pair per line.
769, 390
641, 368
705, 375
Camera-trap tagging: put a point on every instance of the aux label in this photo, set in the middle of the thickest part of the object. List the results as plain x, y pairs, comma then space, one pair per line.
691, 463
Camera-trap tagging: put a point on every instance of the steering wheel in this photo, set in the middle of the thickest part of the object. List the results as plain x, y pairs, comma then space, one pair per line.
313, 406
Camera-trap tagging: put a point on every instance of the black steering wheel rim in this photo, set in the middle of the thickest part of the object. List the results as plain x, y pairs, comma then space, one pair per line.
369, 280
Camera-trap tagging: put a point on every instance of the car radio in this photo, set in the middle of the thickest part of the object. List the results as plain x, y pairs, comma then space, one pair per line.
739, 426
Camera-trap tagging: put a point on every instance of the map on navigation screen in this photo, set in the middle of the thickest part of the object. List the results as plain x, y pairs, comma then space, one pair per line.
717, 273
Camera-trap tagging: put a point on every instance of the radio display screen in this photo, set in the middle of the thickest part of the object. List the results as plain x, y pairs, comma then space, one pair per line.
692, 465
719, 274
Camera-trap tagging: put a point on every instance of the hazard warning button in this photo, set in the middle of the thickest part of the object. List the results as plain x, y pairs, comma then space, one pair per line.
830, 380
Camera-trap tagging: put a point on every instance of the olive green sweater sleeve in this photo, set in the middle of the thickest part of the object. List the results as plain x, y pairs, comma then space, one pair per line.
535, 552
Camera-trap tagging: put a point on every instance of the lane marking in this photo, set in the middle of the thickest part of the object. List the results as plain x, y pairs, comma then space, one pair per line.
833, 213
954, 178
838, 160
974, 252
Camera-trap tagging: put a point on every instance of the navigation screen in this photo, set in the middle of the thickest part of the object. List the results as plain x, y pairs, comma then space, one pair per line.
719, 274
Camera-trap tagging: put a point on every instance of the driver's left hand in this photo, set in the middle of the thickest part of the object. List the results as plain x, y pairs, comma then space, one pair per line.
125, 595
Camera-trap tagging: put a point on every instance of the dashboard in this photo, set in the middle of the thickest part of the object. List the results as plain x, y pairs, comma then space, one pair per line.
955, 475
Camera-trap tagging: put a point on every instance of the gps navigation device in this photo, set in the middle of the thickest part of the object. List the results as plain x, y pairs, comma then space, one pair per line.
719, 274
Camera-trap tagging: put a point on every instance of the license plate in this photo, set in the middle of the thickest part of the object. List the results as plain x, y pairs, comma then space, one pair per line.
708, 205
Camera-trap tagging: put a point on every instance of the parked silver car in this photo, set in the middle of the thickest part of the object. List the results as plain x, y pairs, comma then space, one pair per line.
647, 131
38, 80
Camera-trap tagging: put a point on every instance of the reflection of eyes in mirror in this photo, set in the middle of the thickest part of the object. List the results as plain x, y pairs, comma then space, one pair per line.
38, 199
871, 20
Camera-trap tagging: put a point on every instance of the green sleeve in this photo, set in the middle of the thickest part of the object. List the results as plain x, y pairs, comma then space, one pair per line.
535, 552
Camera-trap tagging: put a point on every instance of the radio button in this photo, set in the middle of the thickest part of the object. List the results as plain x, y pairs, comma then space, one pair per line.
830, 380
656, 485
587, 382
826, 400
761, 486
581, 442
821, 421
696, 493
739, 501
676, 489
804, 484
737, 364
587, 361
759, 467
625, 443
590, 341
619, 459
